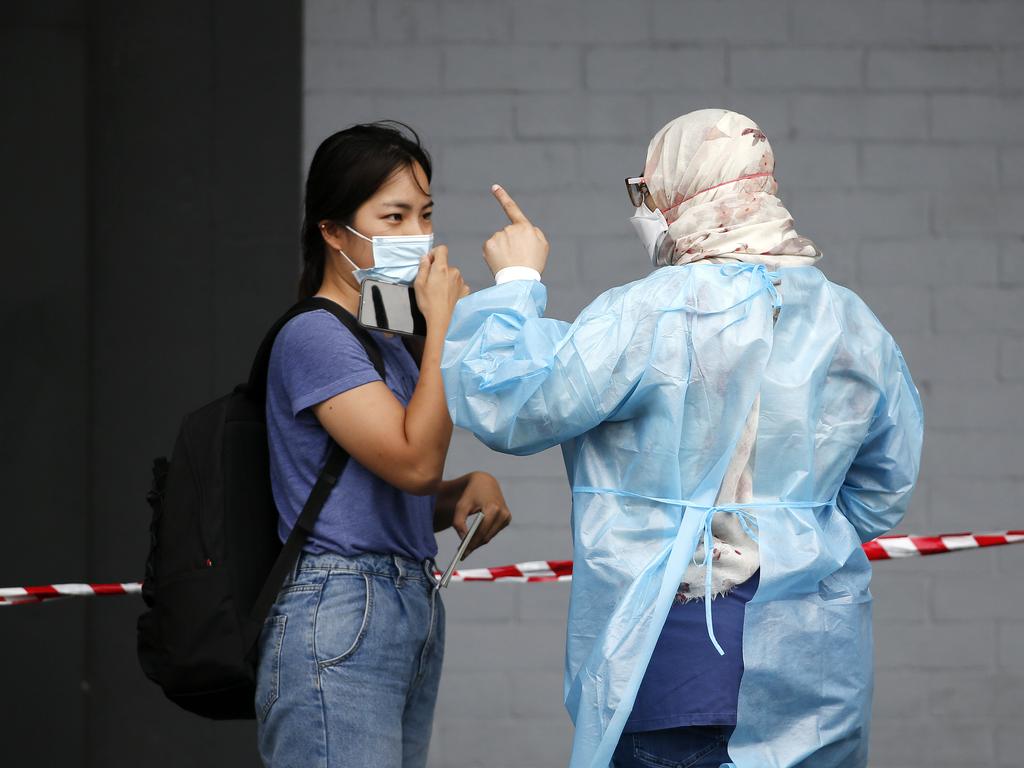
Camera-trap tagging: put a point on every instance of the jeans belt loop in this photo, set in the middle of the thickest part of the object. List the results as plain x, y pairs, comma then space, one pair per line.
429, 567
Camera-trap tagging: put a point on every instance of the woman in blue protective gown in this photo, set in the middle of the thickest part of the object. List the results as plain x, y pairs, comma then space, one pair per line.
732, 422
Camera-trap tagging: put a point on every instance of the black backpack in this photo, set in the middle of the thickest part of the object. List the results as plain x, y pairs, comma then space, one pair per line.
215, 561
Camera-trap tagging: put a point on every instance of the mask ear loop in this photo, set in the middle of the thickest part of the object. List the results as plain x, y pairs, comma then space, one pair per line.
359, 234
345, 255
355, 267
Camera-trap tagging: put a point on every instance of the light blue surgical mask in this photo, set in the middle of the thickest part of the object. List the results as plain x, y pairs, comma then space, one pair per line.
396, 258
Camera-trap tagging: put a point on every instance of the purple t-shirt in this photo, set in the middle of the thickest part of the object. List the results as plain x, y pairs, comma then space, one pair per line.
314, 358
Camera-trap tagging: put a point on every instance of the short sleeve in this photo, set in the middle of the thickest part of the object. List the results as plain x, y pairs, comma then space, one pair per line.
316, 358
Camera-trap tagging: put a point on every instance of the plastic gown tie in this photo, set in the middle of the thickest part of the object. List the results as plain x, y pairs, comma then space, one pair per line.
709, 561
745, 521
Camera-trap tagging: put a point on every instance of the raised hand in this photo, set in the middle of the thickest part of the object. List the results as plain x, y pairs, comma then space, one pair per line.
520, 244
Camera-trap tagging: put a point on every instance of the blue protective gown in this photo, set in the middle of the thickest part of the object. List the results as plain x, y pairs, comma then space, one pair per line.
647, 393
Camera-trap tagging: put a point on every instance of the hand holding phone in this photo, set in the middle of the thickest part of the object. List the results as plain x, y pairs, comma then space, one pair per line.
390, 307
478, 517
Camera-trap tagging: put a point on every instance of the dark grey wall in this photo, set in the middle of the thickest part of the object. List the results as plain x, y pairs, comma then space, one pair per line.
150, 183
45, 412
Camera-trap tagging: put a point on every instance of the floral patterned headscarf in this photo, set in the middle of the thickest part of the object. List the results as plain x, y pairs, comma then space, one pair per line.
711, 174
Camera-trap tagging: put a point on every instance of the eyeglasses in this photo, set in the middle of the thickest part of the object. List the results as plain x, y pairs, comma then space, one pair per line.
636, 188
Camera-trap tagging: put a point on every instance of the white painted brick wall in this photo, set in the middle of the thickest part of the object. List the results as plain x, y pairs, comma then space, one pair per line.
899, 133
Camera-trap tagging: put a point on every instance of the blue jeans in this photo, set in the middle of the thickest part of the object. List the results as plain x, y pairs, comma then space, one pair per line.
693, 746
349, 664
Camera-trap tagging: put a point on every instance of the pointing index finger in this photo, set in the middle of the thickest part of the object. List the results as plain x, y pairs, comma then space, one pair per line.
512, 210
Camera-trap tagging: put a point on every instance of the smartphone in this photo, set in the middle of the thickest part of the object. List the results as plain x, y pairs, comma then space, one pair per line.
390, 307
446, 577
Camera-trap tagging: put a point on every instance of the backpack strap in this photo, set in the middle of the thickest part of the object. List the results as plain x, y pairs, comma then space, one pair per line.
337, 457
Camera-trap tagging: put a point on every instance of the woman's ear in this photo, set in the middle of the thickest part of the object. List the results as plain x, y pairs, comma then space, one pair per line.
333, 235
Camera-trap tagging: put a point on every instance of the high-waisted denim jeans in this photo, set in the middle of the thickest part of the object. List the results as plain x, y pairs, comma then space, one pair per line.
349, 664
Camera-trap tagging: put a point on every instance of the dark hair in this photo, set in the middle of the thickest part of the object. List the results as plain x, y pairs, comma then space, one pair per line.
348, 169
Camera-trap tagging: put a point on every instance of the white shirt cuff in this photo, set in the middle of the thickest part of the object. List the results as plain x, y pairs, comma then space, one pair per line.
516, 273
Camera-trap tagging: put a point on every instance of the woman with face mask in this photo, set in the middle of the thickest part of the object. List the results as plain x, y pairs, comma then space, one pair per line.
350, 655
734, 426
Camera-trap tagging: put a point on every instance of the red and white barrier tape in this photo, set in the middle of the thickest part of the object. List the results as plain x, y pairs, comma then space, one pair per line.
521, 573
890, 547
20, 595
882, 548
